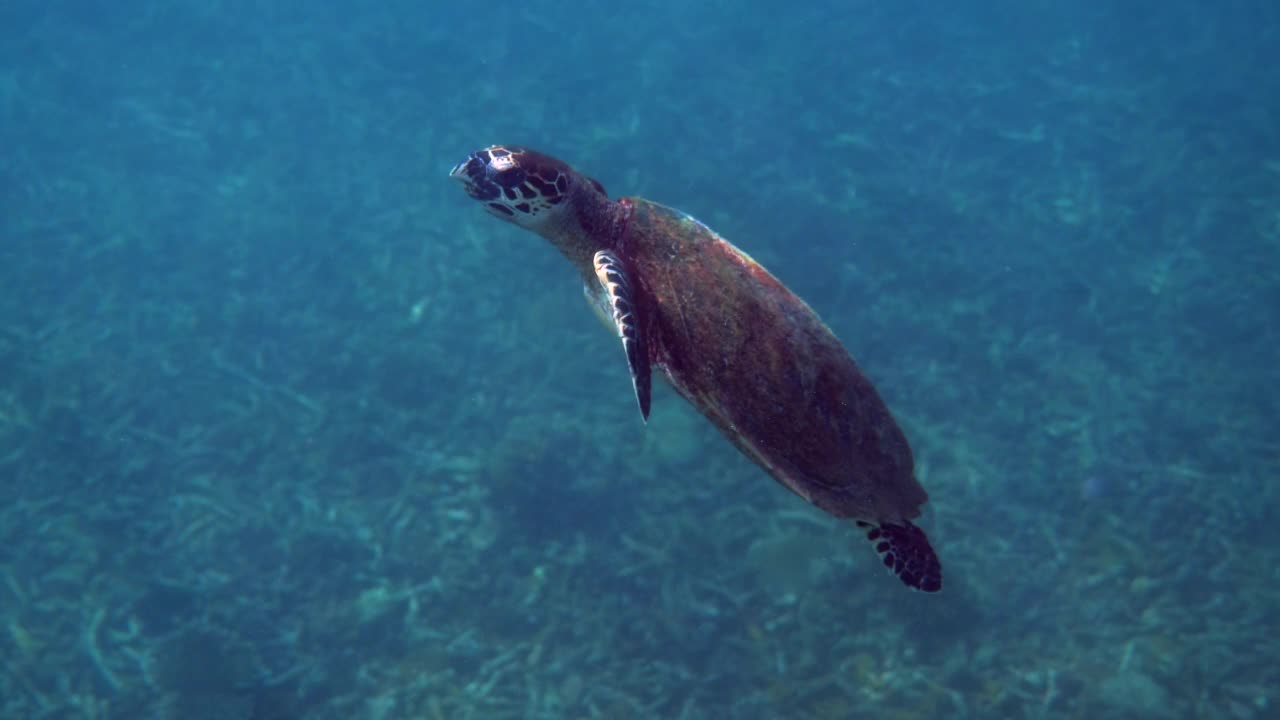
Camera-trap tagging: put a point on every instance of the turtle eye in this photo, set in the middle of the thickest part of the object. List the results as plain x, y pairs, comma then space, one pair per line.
509, 177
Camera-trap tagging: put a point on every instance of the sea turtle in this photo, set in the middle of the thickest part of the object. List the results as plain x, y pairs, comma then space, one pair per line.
731, 338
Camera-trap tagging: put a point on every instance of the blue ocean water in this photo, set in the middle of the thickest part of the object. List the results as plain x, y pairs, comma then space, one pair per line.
289, 428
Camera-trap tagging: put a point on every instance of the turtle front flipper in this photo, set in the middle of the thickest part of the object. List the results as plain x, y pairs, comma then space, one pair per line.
905, 550
618, 293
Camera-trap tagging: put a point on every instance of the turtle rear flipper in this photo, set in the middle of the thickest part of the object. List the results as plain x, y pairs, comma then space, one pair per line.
905, 549
622, 307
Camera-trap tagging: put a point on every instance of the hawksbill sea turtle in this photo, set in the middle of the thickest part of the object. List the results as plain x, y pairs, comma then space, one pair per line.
733, 340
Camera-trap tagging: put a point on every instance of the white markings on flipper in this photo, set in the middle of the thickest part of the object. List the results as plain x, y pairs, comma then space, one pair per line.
617, 287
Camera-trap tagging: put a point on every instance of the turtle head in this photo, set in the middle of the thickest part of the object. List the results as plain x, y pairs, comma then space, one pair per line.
524, 186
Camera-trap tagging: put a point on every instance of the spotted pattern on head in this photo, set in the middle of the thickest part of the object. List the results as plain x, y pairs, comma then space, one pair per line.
515, 183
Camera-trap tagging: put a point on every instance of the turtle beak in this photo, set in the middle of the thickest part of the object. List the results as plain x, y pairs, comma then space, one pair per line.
473, 173
463, 171
459, 171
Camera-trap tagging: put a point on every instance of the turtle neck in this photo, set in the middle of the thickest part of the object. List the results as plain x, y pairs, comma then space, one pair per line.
589, 222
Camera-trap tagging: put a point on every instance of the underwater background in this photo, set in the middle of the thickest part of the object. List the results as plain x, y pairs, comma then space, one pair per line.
290, 428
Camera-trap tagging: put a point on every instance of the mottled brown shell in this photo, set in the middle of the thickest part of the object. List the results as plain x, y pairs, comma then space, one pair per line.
761, 365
